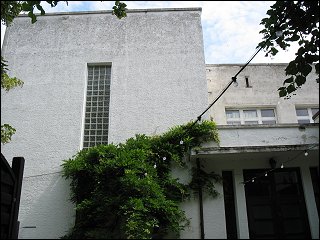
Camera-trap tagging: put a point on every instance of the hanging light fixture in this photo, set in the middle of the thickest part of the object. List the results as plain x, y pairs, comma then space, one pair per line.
235, 83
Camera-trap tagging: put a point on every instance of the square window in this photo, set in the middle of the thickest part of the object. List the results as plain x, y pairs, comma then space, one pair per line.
233, 113
88, 104
302, 112
105, 120
105, 139
250, 113
267, 113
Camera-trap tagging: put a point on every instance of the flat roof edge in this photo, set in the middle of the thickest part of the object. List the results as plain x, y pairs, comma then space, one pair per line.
250, 64
110, 11
241, 64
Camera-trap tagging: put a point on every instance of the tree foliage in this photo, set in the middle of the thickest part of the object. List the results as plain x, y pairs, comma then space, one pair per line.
298, 21
9, 11
126, 191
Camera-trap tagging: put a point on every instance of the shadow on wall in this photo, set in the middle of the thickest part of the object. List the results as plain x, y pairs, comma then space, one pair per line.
46, 211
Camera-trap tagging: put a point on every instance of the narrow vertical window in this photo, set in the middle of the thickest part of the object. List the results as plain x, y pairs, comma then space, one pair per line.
229, 205
97, 106
247, 82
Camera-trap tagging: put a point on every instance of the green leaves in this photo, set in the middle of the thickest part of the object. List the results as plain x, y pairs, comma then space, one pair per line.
6, 133
119, 9
8, 83
299, 22
131, 184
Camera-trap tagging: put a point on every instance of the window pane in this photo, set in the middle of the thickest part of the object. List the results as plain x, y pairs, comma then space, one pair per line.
304, 121
233, 122
250, 113
302, 112
98, 92
314, 110
267, 113
232, 113
251, 122
269, 122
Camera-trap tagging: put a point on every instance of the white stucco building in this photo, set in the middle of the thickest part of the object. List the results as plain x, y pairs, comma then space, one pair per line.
130, 76
258, 129
92, 78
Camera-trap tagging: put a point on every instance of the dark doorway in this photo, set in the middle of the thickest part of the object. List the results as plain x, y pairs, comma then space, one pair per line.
275, 204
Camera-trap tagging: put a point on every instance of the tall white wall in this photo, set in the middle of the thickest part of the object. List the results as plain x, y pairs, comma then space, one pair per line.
157, 81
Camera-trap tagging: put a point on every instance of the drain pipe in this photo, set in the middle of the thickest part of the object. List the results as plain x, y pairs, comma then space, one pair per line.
200, 204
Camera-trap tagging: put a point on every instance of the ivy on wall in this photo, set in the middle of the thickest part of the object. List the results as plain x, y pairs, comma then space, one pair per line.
127, 191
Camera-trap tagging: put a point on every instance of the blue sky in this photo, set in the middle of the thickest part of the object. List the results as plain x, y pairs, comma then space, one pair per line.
230, 28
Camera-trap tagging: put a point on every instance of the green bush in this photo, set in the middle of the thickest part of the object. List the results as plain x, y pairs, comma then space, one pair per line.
127, 191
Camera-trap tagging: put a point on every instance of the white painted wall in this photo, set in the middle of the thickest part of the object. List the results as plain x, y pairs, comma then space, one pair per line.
251, 147
265, 79
158, 80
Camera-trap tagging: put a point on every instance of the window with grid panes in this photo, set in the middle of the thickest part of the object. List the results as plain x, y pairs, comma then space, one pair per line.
304, 115
250, 116
97, 106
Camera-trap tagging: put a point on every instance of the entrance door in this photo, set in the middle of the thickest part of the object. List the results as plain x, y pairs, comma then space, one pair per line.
275, 204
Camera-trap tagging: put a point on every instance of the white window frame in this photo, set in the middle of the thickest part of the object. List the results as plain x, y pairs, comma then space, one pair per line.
310, 114
258, 119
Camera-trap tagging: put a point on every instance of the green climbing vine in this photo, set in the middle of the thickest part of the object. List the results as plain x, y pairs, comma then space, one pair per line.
127, 191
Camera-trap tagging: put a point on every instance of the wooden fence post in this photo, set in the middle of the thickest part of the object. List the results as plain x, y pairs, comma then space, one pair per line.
17, 168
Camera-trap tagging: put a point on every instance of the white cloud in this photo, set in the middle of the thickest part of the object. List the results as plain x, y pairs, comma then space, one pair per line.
230, 28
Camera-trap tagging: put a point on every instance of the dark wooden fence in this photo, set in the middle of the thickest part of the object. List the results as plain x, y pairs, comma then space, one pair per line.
11, 182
